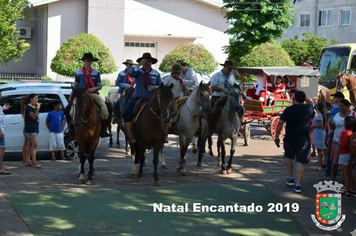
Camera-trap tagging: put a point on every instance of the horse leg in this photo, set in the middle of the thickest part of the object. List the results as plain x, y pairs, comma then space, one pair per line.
232, 152
156, 151
222, 146
133, 157
140, 152
119, 124
91, 168
162, 162
201, 144
81, 172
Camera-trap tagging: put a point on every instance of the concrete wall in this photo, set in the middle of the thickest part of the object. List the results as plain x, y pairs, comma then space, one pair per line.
66, 19
343, 34
106, 21
172, 22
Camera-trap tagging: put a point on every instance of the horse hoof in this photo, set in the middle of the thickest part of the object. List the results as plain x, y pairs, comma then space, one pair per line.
140, 180
157, 183
81, 181
164, 166
199, 164
229, 171
219, 162
195, 151
223, 172
90, 182
183, 173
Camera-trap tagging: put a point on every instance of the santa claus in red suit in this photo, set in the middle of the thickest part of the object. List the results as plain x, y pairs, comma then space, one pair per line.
259, 90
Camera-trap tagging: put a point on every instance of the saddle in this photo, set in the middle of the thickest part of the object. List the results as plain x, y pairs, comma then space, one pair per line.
139, 106
178, 107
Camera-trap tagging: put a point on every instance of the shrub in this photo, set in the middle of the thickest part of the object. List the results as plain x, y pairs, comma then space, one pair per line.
66, 60
46, 78
196, 55
105, 82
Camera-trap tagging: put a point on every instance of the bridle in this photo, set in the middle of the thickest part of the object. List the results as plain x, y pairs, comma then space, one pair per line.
86, 121
159, 107
197, 98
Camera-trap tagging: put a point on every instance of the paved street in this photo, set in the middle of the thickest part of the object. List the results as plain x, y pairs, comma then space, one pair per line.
259, 163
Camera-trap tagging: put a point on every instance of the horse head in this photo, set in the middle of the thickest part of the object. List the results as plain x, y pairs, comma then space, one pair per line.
202, 96
341, 81
81, 102
235, 94
164, 105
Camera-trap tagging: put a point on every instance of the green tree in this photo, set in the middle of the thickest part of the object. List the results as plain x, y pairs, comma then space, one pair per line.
255, 22
66, 62
267, 54
196, 55
10, 46
307, 48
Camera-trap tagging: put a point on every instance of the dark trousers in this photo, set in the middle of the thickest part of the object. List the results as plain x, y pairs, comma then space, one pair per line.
127, 116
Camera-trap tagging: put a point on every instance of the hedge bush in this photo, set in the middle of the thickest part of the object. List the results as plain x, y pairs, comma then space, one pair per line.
46, 78
66, 62
196, 55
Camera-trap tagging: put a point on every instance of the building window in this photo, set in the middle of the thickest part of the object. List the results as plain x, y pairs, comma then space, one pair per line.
324, 18
304, 20
345, 17
139, 44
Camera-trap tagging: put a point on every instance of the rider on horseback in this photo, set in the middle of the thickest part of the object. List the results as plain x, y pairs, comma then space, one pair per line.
147, 80
189, 76
90, 78
124, 82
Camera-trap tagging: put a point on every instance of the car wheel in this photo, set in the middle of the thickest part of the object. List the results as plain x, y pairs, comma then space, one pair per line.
72, 151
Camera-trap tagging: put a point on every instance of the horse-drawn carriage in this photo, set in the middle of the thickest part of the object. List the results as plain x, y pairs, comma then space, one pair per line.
306, 79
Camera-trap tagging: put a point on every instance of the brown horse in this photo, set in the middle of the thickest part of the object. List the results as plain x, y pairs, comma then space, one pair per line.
323, 93
349, 81
149, 129
87, 129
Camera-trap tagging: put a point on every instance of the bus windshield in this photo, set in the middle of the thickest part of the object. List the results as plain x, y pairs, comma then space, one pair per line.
333, 61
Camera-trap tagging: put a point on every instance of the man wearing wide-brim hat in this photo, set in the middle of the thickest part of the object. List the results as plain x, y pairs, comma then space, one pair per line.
147, 80
90, 78
221, 81
189, 76
125, 82
175, 78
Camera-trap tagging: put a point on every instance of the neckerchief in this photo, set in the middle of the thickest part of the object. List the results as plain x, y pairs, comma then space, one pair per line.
177, 78
129, 79
146, 78
88, 80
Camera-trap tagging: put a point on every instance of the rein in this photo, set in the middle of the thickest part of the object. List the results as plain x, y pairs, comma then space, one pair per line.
159, 107
85, 122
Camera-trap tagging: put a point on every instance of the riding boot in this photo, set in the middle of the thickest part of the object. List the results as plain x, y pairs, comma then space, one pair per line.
165, 136
104, 127
128, 130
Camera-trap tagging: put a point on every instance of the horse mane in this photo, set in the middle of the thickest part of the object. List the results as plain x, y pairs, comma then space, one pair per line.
166, 93
77, 94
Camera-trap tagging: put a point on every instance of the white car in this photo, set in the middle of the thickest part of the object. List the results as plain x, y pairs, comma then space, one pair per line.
47, 92
201, 76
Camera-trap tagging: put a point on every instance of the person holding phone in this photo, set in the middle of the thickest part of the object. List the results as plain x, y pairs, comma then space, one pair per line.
31, 125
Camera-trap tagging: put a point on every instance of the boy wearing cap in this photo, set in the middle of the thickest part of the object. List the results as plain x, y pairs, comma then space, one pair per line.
147, 80
90, 78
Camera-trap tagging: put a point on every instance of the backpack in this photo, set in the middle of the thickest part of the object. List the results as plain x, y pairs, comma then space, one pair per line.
352, 144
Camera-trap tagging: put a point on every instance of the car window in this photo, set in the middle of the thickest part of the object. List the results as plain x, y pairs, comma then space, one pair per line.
15, 103
46, 101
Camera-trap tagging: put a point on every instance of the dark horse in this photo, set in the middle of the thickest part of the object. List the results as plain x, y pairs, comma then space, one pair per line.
87, 129
149, 129
349, 81
227, 115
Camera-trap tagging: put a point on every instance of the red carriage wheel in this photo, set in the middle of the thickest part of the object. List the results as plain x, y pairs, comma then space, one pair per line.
274, 124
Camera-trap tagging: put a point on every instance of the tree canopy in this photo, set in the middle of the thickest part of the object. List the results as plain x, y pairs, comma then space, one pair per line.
255, 22
267, 54
307, 48
196, 55
10, 46
66, 62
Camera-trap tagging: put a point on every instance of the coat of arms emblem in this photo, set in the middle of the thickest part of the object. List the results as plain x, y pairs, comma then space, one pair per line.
328, 206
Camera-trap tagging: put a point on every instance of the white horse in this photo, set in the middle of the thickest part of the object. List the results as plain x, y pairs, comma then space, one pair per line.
227, 125
197, 106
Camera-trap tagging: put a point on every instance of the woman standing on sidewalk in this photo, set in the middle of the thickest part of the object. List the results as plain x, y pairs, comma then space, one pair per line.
31, 125
2, 137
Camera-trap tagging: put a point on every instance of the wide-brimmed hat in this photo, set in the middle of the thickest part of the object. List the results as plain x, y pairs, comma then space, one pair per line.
176, 68
182, 62
129, 61
89, 56
147, 55
338, 95
309, 61
229, 64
